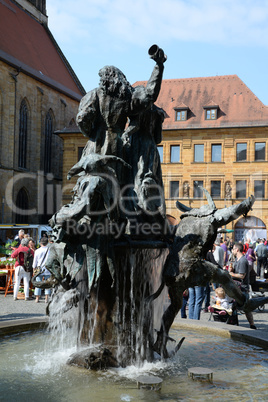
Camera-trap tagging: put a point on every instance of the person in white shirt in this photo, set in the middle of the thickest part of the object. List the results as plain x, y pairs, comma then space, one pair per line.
218, 254
40, 257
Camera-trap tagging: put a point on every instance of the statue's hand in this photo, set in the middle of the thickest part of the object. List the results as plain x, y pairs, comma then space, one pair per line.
161, 57
157, 54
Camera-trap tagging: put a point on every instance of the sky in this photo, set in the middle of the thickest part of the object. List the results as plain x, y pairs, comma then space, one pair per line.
201, 38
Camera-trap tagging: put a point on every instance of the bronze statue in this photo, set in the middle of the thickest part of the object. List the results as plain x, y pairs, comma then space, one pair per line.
186, 266
112, 241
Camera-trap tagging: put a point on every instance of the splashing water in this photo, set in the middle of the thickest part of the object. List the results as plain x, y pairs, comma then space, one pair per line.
33, 368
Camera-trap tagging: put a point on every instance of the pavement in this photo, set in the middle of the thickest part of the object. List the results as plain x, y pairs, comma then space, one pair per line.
21, 313
242, 332
20, 309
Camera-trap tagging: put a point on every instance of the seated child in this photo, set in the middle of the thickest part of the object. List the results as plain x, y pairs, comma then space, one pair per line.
221, 300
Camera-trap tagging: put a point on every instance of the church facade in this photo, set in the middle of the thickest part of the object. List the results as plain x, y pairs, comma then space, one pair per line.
39, 94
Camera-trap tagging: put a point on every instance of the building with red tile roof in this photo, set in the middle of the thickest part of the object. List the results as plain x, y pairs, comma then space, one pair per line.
215, 135
28, 44
236, 104
39, 94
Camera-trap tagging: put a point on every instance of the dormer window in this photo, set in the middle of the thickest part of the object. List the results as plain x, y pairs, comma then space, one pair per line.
181, 112
211, 111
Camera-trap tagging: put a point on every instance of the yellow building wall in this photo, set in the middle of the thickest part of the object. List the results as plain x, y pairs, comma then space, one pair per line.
228, 170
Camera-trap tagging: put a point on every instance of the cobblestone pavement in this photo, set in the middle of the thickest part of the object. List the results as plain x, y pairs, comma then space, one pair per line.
260, 319
241, 332
20, 309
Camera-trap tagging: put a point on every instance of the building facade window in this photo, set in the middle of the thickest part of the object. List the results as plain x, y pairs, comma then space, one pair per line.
198, 192
199, 153
259, 188
161, 154
241, 188
48, 141
211, 114
23, 135
259, 151
175, 153
216, 153
174, 188
22, 204
181, 115
215, 189
241, 152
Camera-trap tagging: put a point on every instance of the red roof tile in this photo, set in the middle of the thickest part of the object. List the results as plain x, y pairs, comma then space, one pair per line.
238, 106
26, 43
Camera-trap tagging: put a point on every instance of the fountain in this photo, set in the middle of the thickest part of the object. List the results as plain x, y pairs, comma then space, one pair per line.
114, 251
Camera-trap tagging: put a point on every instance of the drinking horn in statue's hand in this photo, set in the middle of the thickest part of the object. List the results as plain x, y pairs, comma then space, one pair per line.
157, 54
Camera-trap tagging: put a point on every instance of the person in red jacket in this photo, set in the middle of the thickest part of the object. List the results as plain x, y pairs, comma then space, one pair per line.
19, 269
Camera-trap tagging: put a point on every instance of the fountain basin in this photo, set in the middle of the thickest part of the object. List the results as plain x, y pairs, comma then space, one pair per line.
22, 325
41, 367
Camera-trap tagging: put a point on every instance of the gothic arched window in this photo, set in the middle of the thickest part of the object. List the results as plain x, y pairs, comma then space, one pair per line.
22, 204
23, 134
48, 141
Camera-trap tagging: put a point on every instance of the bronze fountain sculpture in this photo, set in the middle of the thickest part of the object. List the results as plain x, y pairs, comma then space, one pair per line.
113, 245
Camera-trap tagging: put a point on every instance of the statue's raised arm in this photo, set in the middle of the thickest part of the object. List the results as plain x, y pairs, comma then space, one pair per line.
144, 97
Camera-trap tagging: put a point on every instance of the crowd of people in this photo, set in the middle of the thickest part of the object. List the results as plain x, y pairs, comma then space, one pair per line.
245, 262
30, 257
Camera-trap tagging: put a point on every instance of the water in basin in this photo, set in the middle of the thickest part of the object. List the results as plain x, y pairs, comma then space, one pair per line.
33, 367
